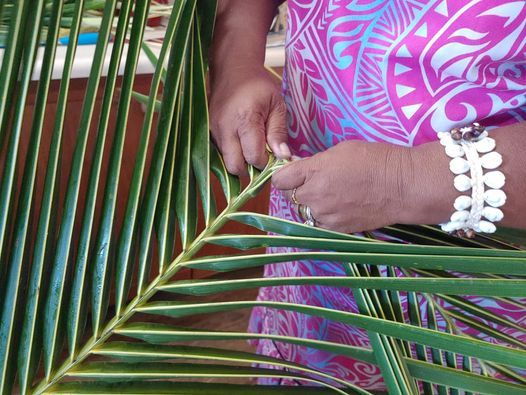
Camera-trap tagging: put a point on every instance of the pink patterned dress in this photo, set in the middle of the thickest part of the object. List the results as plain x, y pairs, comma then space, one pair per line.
397, 71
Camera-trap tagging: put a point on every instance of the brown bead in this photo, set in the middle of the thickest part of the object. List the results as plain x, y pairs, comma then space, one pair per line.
456, 135
469, 136
470, 234
460, 233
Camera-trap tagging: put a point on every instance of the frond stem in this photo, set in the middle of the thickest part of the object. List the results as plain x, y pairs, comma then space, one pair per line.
172, 269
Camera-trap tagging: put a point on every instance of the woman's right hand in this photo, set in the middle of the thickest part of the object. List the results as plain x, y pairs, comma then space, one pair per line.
247, 111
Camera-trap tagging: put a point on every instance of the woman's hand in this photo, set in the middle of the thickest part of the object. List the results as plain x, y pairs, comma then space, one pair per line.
358, 186
247, 111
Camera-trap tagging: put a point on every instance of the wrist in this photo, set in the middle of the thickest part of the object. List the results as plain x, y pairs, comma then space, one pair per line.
224, 70
224, 66
427, 186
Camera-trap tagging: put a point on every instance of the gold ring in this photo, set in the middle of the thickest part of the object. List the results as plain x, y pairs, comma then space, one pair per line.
294, 198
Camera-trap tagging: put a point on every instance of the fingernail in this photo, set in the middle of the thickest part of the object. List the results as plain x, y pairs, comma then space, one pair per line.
295, 157
285, 151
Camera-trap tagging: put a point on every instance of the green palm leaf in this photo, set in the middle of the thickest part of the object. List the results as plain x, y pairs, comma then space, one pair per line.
76, 272
16, 270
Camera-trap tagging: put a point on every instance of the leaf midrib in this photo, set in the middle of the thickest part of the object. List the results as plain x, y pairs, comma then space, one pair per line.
160, 280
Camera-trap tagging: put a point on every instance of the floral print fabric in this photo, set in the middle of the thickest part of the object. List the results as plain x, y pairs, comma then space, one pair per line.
398, 72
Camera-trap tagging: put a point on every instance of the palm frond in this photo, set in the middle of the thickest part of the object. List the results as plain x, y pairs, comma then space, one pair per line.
85, 264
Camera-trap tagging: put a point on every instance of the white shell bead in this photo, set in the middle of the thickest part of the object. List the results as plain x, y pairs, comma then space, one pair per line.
460, 216
447, 140
462, 183
462, 203
491, 161
454, 151
441, 135
487, 227
459, 166
451, 226
495, 197
485, 145
492, 214
495, 179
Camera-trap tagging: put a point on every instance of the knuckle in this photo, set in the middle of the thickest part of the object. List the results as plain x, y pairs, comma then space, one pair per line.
243, 114
281, 175
299, 174
235, 166
255, 157
219, 127
248, 115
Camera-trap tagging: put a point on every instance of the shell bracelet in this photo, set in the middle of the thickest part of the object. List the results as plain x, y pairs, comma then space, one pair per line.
474, 163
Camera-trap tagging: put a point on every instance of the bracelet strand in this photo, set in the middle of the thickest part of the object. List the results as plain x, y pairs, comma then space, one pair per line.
472, 151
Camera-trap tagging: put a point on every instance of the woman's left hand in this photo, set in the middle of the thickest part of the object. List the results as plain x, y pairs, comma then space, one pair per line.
357, 186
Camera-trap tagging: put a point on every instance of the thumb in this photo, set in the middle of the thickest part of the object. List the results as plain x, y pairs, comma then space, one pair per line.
277, 134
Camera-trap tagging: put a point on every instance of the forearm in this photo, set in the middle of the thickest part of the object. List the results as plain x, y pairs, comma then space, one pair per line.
432, 193
240, 33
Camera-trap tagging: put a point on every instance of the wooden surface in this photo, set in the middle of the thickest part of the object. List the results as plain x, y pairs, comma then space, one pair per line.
71, 126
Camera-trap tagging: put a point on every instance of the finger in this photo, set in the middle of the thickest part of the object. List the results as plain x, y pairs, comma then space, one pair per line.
277, 133
300, 195
287, 194
230, 148
251, 132
292, 175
